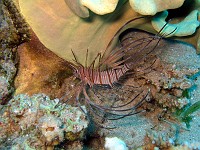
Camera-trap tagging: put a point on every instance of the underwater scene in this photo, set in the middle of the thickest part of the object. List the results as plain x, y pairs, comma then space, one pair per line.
99, 75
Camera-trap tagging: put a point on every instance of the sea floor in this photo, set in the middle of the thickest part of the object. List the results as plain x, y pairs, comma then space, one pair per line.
133, 129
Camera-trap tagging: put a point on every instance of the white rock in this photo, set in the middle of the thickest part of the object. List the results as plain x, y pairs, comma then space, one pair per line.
115, 143
100, 7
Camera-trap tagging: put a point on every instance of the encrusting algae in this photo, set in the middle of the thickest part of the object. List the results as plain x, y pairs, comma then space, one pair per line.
39, 122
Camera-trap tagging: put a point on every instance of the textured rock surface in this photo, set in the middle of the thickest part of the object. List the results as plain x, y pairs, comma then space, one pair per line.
13, 31
38, 122
40, 70
13, 28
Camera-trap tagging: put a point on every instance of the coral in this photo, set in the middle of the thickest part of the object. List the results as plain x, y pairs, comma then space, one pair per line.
45, 121
7, 73
51, 128
162, 141
75, 145
5, 88
163, 138
184, 28
100, 7
14, 29
94, 32
9, 68
170, 101
27, 142
7, 63
55, 24
173, 99
115, 143
74, 122
169, 84
171, 87
77, 8
151, 7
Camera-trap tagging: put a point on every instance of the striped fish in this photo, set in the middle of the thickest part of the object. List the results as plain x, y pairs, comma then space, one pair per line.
95, 76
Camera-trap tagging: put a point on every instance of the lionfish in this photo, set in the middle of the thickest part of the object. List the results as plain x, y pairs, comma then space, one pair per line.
108, 72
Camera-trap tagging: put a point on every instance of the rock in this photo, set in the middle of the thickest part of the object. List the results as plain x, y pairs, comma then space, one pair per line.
115, 143
40, 70
37, 122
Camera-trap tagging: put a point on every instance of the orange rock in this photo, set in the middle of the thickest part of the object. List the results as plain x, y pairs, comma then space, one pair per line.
40, 70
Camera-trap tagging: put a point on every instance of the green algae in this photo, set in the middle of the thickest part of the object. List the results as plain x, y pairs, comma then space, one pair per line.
185, 114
